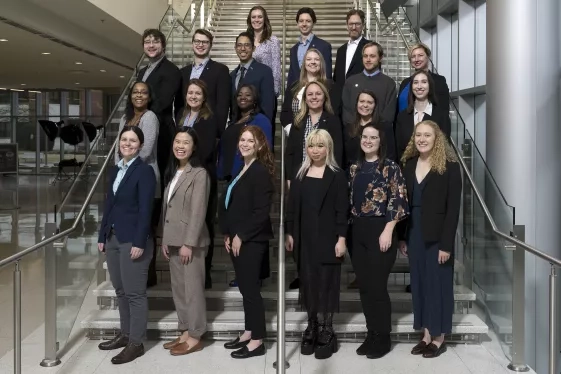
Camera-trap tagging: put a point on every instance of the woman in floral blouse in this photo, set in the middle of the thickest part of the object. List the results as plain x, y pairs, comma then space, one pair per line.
378, 203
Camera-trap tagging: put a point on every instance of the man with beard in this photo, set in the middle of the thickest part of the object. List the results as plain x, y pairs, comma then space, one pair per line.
349, 55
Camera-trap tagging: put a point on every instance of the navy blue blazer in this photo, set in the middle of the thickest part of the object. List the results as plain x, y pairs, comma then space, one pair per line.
260, 76
129, 210
322, 46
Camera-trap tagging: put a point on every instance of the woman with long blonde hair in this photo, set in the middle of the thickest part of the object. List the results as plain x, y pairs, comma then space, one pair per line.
316, 227
434, 187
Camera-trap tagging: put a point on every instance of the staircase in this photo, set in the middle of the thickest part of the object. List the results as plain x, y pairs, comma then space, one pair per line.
224, 304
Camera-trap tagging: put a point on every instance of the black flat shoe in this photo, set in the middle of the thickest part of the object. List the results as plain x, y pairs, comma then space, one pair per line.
236, 344
432, 351
246, 353
295, 284
233, 283
408, 288
130, 353
120, 341
365, 347
381, 346
420, 348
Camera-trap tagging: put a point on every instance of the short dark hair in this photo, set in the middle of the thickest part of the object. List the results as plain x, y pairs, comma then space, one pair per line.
356, 12
378, 48
432, 91
137, 130
156, 34
247, 35
129, 108
194, 160
204, 32
307, 10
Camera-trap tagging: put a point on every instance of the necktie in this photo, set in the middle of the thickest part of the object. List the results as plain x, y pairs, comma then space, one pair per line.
242, 74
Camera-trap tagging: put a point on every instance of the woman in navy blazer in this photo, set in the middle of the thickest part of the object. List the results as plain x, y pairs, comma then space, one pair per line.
124, 237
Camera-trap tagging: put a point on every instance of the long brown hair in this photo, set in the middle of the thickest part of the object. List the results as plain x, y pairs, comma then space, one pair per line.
267, 29
303, 112
411, 98
263, 154
441, 151
205, 111
354, 128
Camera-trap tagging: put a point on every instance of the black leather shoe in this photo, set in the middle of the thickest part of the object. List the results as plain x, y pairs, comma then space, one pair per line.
420, 348
236, 344
233, 283
130, 353
408, 288
295, 284
246, 353
433, 351
366, 345
117, 342
381, 345
308, 345
326, 344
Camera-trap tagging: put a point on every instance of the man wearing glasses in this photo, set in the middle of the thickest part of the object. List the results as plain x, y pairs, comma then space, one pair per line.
254, 73
349, 55
214, 74
164, 79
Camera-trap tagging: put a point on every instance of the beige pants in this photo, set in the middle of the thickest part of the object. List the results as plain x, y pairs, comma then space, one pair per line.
188, 290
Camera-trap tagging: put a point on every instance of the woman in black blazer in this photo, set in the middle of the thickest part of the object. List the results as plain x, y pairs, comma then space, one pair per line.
246, 226
315, 112
434, 187
198, 115
316, 227
423, 106
125, 238
313, 69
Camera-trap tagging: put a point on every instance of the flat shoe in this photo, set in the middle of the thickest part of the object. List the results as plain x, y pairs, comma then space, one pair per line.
184, 349
433, 351
236, 344
172, 344
420, 348
246, 353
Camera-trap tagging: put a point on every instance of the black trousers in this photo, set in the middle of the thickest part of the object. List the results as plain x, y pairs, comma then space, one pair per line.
210, 220
156, 212
372, 268
248, 268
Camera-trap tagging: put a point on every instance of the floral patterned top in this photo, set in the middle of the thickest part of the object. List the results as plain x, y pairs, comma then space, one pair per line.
269, 53
378, 193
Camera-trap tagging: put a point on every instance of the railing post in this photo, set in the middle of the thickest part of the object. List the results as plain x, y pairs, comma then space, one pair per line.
17, 319
518, 304
51, 346
552, 321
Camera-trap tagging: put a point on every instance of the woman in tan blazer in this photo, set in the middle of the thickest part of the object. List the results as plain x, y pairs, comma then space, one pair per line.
185, 239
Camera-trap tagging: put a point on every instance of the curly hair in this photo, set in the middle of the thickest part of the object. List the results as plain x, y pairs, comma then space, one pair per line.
440, 153
264, 154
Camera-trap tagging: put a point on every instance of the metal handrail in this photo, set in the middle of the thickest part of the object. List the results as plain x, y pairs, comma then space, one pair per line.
41, 244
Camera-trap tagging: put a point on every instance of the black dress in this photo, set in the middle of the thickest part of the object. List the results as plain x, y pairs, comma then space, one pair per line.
319, 282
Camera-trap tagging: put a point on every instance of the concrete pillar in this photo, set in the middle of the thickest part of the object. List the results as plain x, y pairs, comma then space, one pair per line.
523, 137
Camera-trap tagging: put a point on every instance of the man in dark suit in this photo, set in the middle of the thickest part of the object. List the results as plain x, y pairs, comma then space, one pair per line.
419, 56
252, 72
214, 74
306, 19
349, 55
165, 80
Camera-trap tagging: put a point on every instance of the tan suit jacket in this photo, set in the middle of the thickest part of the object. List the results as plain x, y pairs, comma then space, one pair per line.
183, 218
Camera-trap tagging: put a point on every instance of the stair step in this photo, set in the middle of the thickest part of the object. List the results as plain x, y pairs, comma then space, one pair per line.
231, 322
163, 290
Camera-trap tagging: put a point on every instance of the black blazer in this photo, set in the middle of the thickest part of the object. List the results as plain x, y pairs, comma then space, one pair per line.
355, 67
247, 215
165, 81
207, 132
442, 91
260, 76
219, 90
293, 157
405, 124
352, 144
294, 69
129, 210
287, 115
333, 215
440, 204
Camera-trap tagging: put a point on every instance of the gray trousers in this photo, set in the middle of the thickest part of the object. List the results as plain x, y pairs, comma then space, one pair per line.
188, 290
129, 280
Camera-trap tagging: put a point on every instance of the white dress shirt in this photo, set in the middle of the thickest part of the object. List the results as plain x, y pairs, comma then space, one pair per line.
352, 45
428, 110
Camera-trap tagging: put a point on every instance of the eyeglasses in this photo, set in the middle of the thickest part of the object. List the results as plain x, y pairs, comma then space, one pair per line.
243, 45
355, 24
201, 42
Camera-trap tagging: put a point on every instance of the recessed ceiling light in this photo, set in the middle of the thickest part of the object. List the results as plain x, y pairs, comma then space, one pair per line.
46, 53
78, 63
3, 40
121, 76
77, 83
23, 84
103, 71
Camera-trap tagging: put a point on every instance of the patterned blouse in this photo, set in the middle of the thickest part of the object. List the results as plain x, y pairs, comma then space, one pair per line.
376, 193
269, 53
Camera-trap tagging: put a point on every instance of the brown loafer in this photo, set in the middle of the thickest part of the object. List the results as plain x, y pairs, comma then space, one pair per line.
433, 351
420, 348
172, 344
184, 349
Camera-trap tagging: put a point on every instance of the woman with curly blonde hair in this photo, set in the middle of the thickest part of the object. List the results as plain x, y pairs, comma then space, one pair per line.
434, 187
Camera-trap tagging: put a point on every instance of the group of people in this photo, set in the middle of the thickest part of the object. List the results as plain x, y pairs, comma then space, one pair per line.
369, 170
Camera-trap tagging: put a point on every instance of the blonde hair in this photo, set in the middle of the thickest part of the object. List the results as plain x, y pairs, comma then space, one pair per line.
315, 137
303, 112
417, 46
440, 153
303, 81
